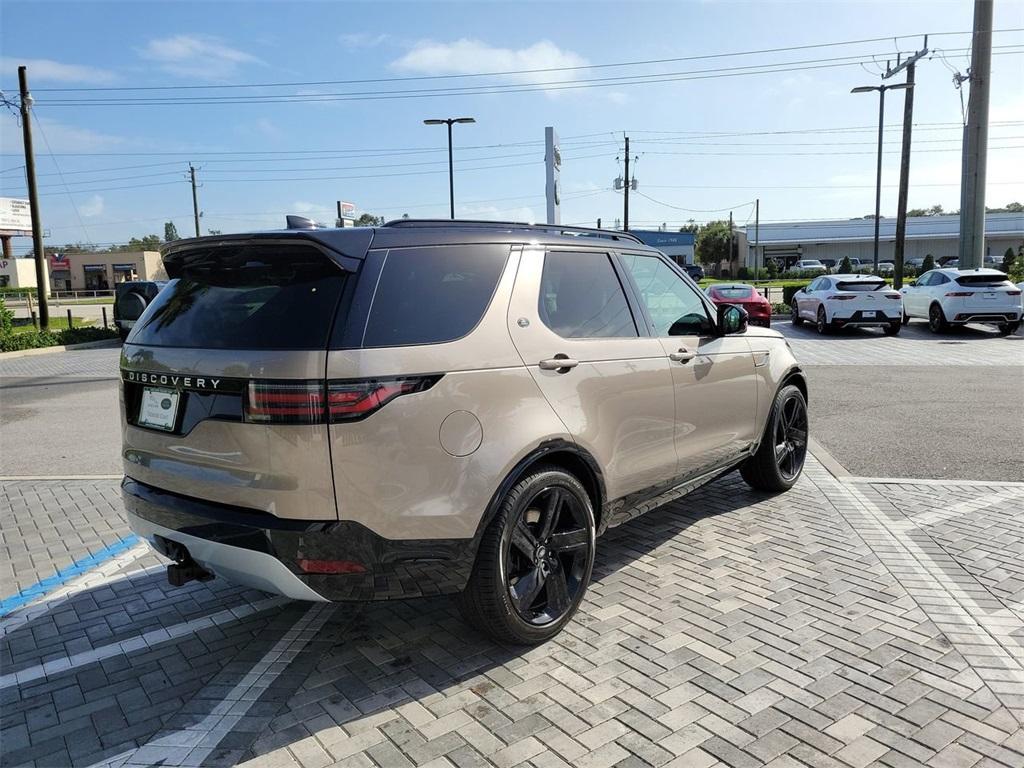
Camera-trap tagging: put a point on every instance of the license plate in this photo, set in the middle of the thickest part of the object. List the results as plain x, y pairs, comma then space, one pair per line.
868, 314
159, 408
988, 295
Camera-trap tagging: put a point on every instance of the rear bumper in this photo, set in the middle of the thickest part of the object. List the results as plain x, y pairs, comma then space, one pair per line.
858, 318
975, 316
269, 553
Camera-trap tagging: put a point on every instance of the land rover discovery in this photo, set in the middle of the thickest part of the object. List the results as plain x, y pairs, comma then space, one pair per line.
437, 407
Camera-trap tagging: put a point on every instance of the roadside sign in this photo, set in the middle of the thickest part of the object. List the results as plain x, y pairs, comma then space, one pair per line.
15, 216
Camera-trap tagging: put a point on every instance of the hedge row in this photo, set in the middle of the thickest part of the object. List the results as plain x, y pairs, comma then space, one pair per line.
38, 339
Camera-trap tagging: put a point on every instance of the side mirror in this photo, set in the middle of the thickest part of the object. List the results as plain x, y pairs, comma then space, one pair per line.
731, 319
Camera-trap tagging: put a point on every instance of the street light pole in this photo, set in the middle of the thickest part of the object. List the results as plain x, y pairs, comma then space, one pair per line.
449, 121
881, 128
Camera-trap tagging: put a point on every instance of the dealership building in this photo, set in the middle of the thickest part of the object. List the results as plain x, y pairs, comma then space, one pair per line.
100, 271
939, 236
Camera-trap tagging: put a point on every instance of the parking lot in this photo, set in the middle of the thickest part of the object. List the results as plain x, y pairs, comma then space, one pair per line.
866, 617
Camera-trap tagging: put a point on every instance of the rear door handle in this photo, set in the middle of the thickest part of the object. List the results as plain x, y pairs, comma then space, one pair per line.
682, 356
560, 363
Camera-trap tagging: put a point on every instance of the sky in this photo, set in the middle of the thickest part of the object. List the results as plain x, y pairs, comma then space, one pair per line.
737, 101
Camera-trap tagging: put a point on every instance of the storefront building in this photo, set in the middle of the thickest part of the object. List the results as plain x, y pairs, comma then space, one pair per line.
101, 271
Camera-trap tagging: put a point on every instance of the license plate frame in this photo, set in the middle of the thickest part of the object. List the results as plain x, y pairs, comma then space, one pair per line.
158, 408
869, 314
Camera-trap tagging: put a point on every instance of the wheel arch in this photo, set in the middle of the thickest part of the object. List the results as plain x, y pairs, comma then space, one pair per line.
794, 376
559, 453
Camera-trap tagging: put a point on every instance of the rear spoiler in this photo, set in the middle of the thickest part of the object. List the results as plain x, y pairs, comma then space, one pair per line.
345, 247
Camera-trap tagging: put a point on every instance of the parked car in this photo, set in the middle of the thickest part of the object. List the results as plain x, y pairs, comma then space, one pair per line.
696, 271
759, 309
886, 268
948, 297
432, 407
805, 266
831, 265
841, 301
130, 301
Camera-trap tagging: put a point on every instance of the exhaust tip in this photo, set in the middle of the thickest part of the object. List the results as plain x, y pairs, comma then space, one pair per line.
180, 574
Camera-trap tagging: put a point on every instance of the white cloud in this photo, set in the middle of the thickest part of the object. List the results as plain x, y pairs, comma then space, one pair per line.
59, 137
466, 56
50, 71
92, 207
363, 39
201, 56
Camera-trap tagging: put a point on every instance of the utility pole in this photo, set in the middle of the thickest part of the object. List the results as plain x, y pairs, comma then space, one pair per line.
975, 155
757, 231
730, 242
42, 278
908, 125
195, 197
625, 199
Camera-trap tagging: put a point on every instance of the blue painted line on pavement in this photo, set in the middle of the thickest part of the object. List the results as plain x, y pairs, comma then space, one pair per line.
40, 588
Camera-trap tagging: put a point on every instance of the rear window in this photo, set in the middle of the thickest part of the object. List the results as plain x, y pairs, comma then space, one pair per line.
862, 285
734, 293
433, 295
244, 297
982, 279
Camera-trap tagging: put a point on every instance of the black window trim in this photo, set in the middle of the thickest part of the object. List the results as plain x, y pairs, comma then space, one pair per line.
709, 306
632, 303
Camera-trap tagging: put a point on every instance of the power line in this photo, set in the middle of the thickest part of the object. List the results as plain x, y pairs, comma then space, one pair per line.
495, 88
506, 73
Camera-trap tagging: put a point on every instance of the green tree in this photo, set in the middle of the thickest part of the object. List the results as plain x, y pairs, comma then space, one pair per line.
935, 210
147, 243
712, 243
170, 232
690, 226
214, 232
1008, 259
928, 263
369, 220
773, 269
845, 267
1008, 208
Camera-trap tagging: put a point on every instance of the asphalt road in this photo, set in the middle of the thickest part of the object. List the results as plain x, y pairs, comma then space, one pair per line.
930, 421
956, 422
59, 426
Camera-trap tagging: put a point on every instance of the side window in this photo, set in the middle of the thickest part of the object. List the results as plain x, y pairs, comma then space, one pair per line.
938, 279
432, 295
815, 284
581, 297
674, 307
926, 279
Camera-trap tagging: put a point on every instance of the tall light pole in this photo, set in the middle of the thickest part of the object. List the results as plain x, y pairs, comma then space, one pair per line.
449, 121
881, 125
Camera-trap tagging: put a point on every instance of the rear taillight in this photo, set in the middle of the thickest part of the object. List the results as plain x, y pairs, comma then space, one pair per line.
353, 400
291, 402
840, 297
304, 402
893, 296
1013, 293
959, 294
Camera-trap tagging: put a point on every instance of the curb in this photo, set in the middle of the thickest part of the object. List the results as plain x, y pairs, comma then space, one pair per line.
65, 348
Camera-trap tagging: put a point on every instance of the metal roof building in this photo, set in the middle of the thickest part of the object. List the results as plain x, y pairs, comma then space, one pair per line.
936, 235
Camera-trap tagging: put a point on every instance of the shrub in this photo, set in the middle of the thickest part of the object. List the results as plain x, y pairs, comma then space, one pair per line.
781, 308
8, 291
1016, 270
743, 273
789, 291
6, 319
1008, 259
845, 267
773, 269
928, 263
12, 342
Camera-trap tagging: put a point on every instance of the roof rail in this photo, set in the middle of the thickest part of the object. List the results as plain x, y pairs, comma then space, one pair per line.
609, 234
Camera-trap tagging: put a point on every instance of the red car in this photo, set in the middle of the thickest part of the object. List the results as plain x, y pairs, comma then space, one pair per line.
759, 309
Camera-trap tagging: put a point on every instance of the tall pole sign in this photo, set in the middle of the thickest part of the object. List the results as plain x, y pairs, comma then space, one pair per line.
553, 167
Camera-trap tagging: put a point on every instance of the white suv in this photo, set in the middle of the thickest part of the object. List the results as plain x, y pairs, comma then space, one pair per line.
948, 297
841, 301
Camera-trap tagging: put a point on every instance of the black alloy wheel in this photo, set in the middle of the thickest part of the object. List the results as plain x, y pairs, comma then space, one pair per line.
936, 319
546, 556
822, 322
791, 437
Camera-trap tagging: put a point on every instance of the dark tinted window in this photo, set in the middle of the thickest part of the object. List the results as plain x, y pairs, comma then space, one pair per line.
862, 285
431, 295
581, 297
244, 297
982, 279
734, 292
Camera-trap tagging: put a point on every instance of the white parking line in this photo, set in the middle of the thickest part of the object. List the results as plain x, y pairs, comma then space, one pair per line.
98, 576
965, 507
971, 628
140, 642
195, 743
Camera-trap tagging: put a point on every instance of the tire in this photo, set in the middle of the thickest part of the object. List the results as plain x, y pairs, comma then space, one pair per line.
937, 319
768, 470
1006, 329
131, 306
906, 318
893, 328
823, 326
490, 601
795, 317
123, 334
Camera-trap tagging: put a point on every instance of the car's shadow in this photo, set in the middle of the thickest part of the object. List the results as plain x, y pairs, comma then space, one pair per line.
364, 661
916, 330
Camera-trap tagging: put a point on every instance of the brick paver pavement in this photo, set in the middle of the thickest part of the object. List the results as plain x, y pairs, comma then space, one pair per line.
839, 624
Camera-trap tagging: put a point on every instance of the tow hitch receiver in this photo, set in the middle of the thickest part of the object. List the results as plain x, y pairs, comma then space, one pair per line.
180, 574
